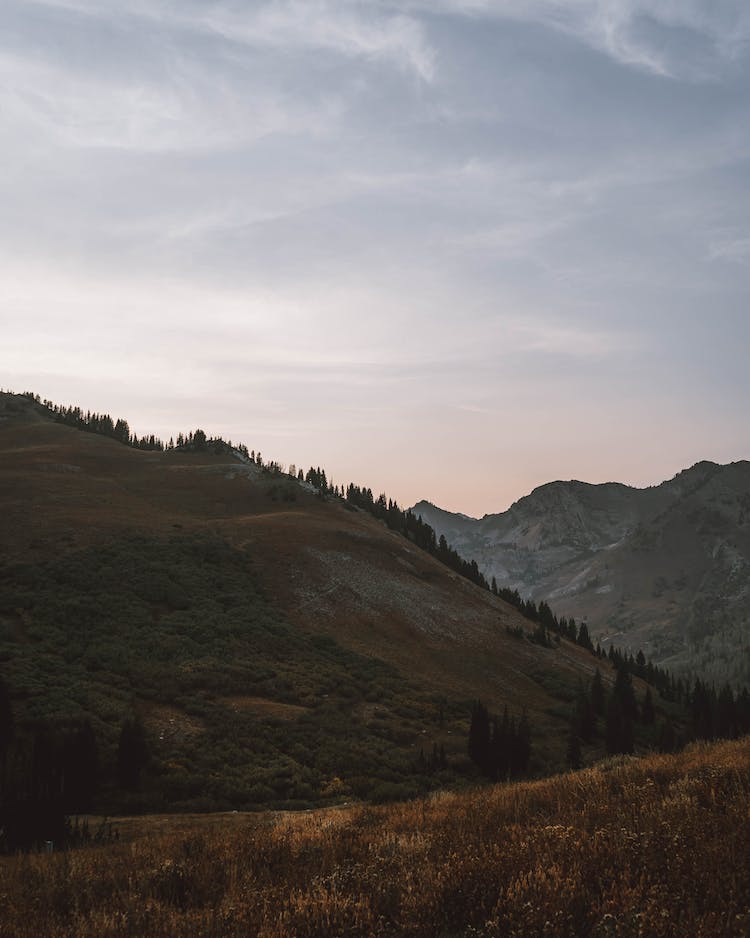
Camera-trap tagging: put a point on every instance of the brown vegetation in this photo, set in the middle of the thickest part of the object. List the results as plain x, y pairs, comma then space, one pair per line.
658, 846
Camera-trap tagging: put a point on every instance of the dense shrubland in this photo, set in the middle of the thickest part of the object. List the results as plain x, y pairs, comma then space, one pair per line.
241, 709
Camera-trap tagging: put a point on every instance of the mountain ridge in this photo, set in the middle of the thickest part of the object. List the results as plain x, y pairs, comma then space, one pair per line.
665, 568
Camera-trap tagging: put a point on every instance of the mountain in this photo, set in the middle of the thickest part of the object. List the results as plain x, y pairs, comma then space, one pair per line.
279, 647
665, 569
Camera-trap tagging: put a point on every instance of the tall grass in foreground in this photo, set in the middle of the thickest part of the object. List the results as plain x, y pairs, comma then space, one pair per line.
658, 846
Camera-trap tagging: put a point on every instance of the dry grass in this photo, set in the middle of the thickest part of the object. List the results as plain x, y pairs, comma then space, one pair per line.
263, 707
654, 847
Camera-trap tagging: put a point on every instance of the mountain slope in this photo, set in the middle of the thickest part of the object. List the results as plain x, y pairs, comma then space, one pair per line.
666, 569
279, 648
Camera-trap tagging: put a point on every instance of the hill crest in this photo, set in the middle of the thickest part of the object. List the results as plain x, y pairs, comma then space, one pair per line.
211, 597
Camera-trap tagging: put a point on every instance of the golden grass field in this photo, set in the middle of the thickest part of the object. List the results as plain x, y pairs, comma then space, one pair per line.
652, 847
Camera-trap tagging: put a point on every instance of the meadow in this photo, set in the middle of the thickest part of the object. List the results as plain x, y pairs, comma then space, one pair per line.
657, 846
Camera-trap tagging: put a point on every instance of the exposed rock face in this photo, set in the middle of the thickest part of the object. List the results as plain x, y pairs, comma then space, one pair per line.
666, 569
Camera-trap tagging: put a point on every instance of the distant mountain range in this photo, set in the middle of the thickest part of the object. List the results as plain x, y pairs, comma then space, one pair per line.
665, 569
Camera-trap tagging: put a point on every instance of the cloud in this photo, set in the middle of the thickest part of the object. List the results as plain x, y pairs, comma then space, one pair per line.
353, 29
732, 248
570, 340
184, 104
680, 39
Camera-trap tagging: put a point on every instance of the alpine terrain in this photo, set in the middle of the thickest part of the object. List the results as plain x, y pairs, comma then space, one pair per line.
664, 569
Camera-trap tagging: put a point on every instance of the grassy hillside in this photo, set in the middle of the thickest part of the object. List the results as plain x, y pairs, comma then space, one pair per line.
279, 649
657, 847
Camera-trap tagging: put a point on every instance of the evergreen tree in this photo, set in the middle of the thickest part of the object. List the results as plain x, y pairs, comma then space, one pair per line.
701, 711
6, 721
598, 697
583, 638
122, 431
622, 710
480, 738
132, 753
502, 737
648, 714
618, 734
667, 738
584, 720
726, 714
79, 766
524, 744
575, 760
625, 695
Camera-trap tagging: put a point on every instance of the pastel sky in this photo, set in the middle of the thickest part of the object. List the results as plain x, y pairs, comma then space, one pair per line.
450, 249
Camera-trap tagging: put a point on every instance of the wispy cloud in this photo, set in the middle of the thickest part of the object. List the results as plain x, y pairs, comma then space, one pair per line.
734, 248
687, 39
349, 28
355, 30
552, 337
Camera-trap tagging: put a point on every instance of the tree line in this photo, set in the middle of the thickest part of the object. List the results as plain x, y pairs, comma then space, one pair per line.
52, 770
500, 748
701, 713
119, 429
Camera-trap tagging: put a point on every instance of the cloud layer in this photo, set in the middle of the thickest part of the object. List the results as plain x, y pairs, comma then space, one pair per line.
454, 248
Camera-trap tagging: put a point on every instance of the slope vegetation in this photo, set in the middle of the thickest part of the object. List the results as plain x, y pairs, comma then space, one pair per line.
279, 648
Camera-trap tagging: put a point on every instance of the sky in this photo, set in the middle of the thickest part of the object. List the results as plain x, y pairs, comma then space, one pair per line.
449, 249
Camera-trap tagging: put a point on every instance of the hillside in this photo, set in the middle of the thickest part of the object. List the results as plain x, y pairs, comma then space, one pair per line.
656, 847
665, 569
279, 648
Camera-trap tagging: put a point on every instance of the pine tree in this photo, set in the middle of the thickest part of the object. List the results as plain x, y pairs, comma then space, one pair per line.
479, 737
624, 693
701, 711
667, 738
598, 698
726, 714
584, 722
618, 734
6, 720
574, 757
79, 763
648, 714
132, 753
524, 743
583, 638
